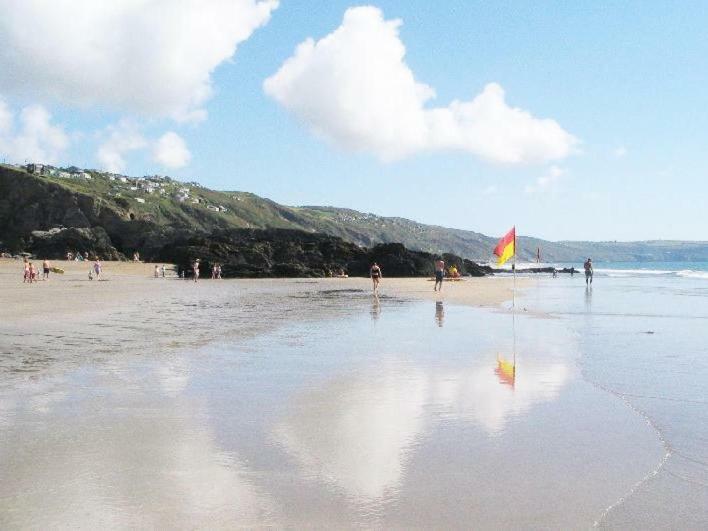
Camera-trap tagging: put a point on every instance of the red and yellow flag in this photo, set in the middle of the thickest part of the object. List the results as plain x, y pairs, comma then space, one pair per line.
506, 247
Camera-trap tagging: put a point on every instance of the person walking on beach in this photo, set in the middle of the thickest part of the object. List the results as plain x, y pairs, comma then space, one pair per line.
45, 269
439, 273
195, 269
97, 268
375, 274
26, 277
156, 273
588, 271
162, 270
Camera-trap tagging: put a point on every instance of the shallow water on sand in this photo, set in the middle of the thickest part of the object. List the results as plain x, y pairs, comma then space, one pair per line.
378, 413
644, 340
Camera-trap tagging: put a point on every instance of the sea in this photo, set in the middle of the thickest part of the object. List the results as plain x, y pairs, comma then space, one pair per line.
642, 332
378, 412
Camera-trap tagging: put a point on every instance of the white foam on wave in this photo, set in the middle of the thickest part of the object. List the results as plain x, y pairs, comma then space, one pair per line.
623, 273
692, 274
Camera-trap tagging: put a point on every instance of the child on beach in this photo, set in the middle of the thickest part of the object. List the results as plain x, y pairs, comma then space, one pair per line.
45, 269
195, 268
26, 277
33, 272
97, 268
157, 271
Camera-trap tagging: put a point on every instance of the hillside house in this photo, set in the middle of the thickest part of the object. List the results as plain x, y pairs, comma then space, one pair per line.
37, 169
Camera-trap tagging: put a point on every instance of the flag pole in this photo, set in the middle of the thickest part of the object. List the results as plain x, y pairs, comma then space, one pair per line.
513, 302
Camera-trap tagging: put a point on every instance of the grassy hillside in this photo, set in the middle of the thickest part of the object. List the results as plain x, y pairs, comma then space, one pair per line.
176, 205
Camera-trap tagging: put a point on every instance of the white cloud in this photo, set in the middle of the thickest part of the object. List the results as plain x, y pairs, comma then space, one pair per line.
153, 57
545, 181
619, 152
171, 151
354, 88
35, 139
122, 138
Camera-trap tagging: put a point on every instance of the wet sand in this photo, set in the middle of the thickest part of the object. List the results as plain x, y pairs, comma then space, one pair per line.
141, 402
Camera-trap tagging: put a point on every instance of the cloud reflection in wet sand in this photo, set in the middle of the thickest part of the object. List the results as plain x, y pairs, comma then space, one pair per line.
358, 431
133, 466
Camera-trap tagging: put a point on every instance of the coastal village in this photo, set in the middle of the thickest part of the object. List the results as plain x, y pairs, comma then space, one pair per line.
138, 189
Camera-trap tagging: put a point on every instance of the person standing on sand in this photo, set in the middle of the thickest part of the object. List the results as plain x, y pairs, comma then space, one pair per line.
97, 268
26, 277
45, 269
157, 271
162, 270
375, 274
588, 271
439, 273
195, 269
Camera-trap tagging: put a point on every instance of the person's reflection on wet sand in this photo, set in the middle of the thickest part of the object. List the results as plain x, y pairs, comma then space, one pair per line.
375, 309
439, 313
588, 299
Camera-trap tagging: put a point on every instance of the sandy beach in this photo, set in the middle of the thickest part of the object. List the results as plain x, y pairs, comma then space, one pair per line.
300, 402
128, 286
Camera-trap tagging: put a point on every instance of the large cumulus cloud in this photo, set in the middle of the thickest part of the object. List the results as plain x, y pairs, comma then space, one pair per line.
354, 88
151, 57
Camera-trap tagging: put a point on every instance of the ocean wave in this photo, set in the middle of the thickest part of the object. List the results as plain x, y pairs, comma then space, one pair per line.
623, 273
692, 274
634, 272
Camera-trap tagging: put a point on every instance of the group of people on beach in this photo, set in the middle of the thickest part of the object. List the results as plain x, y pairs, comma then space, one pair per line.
215, 270
30, 274
375, 273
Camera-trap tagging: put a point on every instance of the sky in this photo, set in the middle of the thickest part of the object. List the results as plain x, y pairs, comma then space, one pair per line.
570, 120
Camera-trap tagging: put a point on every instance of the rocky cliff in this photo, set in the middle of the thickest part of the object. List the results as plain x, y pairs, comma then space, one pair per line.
49, 219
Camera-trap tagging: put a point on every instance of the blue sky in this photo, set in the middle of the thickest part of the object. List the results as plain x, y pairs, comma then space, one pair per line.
626, 80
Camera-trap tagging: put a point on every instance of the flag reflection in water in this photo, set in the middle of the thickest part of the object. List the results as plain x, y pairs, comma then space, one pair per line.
506, 371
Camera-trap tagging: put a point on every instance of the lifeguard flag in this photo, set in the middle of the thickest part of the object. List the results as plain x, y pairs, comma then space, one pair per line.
506, 247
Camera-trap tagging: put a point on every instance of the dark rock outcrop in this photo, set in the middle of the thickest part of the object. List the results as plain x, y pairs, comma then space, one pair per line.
54, 243
534, 270
292, 253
